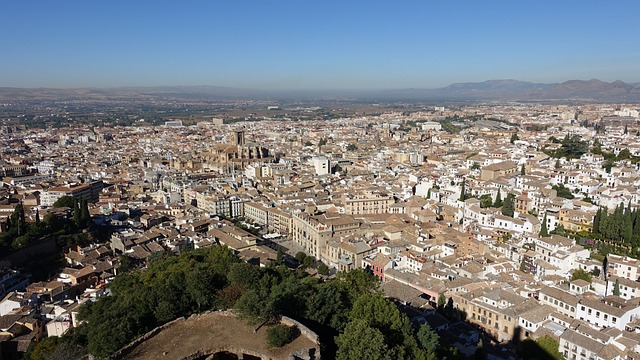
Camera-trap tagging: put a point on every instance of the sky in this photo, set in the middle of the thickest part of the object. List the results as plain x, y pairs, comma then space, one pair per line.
307, 44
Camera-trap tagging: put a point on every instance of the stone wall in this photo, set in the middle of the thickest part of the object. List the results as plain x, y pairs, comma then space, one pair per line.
303, 329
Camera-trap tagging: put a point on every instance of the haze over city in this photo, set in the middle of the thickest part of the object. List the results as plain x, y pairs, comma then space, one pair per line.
315, 45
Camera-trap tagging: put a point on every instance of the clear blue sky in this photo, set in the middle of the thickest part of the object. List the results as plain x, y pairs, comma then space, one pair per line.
315, 44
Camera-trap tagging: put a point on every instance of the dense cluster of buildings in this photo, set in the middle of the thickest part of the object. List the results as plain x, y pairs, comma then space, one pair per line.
394, 193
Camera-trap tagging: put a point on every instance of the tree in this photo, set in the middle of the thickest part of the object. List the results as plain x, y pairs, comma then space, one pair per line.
323, 269
383, 315
76, 214
359, 341
485, 201
65, 201
428, 339
357, 282
543, 228
551, 347
514, 137
616, 288
352, 147
462, 191
562, 191
508, 207
244, 274
442, 301
557, 166
475, 166
523, 171
85, 217
581, 274
18, 220
300, 256
498, 202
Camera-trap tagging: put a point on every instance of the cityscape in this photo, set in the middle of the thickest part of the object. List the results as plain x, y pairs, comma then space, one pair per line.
374, 192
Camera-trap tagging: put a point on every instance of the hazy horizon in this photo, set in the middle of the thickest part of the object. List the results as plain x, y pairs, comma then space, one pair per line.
293, 45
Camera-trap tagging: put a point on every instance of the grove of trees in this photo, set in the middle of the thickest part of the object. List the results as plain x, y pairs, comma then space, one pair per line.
350, 314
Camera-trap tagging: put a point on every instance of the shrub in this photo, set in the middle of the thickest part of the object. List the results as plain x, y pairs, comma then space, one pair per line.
280, 335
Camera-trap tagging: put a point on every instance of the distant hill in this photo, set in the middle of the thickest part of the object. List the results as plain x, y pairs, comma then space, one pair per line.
573, 90
577, 90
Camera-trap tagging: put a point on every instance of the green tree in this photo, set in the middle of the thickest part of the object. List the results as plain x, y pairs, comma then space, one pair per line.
323, 269
329, 304
544, 232
85, 216
523, 171
557, 166
352, 147
362, 341
428, 339
581, 274
382, 314
244, 275
562, 191
18, 220
616, 288
442, 302
498, 202
514, 137
485, 201
76, 214
551, 347
462, 191
508, 207
65, 201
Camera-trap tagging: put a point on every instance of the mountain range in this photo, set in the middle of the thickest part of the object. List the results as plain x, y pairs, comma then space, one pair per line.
593, 90
572, 90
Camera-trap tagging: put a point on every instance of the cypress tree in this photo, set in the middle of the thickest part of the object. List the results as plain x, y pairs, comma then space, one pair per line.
76, 213
37, 216
523, 171
544, 232
85, 217
626, 230
616, 288
498, 202
596, 221
18, 218
462, 191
